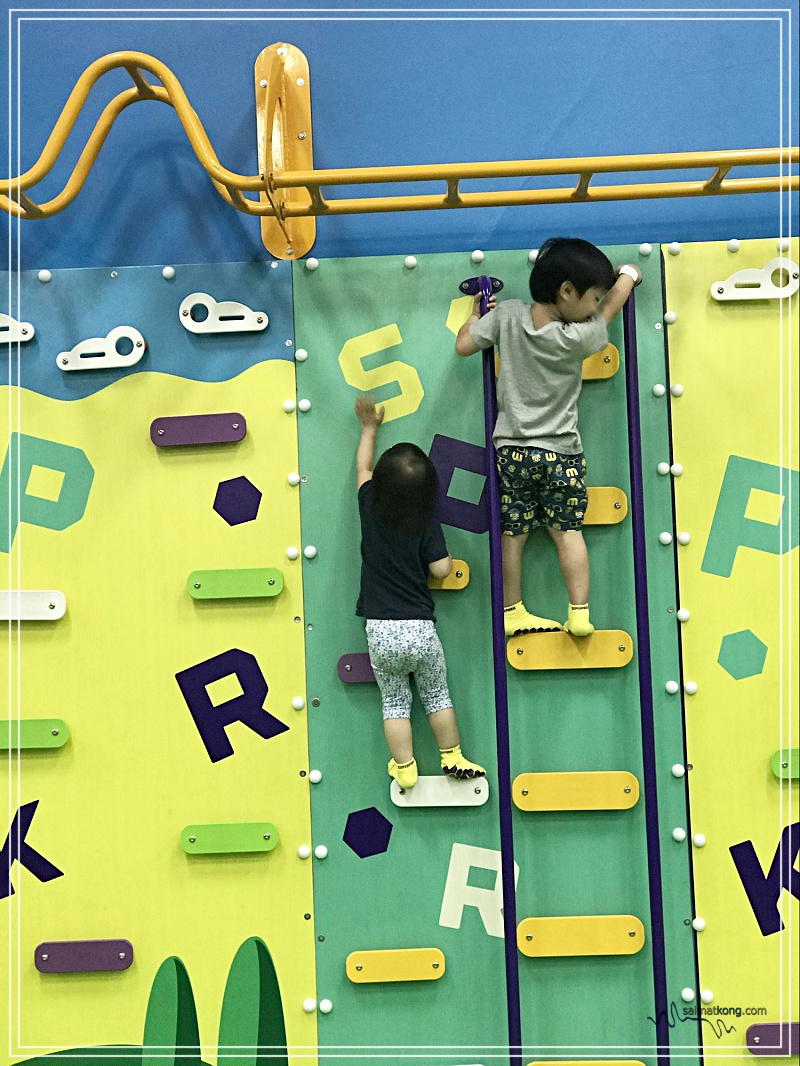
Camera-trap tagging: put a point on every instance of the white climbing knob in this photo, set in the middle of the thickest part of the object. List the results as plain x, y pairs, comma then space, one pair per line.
676, 390
690, 688
676, 470
292, 553
303, 851
168, 273
733, 245
678, 834
645, 249
321, 851
687, 995
699, 840
783, 244
533, 255
707, 996
683, 538
312, 263
674, 248
665, 537
293, 479
289, 406
410, 262
44, 276
670, 317
678, 770
310, 551
672, 687
315, 777
298, 703
477, 256
698, 924
304, 405
659, 389
309, 1005
325, 1006
683, 614
663, 468
300, 355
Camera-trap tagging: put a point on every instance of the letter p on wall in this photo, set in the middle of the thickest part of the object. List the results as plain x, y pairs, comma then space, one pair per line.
731, 528
55, 511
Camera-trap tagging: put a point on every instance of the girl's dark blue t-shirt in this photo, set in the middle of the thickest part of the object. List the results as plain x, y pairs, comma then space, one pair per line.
394, 566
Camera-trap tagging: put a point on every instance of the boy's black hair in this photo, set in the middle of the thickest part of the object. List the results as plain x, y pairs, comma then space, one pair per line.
563, 259
404, 488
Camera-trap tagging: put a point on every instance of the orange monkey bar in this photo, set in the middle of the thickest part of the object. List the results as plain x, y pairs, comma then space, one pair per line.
290, 189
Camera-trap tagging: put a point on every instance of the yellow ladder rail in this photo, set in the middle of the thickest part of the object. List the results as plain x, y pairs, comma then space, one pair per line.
285, 194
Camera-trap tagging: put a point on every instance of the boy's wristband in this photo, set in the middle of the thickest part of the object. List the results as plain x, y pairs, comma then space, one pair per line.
631, 271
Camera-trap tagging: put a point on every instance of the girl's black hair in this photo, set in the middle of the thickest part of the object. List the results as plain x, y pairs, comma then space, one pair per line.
404, 489
563, 259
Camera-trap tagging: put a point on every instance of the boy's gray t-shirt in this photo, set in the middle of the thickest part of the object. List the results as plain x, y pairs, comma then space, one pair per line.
540, 375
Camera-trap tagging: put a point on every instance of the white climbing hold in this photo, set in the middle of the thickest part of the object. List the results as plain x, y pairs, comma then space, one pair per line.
300, 355
699, 840
325, 1006
289, 406
663, 468
670, 317
659, 389
687, 995
672, 687
304, 405
674, 248
678, 834
707, 996
168, 273
645, 249
477, 256
733, 245
676, 390
303, 851
315, 777
533, 255
665, 538
410, 262
310, 551
309, 1005
321, 851
312, 263
683, 614
678, 770
292, 553
698, 924
683, 538
298, 703
676, 470
690, 688
293, 479
783, 244
44, 276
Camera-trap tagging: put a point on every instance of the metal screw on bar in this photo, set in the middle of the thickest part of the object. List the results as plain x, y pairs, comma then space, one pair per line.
477, 792
185, 313
617, 505
519, 651
301, 136
138, 344
24, 330
359, 966
289, 251
160, 432
402, 792
627, 788
315, 702
794, 275
622, 647
524, 792
301, 81
784, 765
192, 840
122, 954
259, 318
436, 965
235, 425
65, 362
606, 358
52, 606
271, 581
280, 51
55, 732
263, 83
720, 290
756, 1039
459, 573
631, 932
529, 936
45, 958
348, 666
266, 836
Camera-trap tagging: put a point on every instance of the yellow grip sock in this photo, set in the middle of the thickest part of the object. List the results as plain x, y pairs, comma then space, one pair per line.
454, 763
405, 774
577, 622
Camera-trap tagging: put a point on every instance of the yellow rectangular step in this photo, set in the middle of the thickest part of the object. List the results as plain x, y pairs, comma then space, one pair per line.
603, 364
596, 790
607, 505
560, 651
397, 964
598, 934
458, 578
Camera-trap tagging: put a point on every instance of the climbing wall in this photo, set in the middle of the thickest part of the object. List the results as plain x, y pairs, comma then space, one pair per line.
734, 371
157, 766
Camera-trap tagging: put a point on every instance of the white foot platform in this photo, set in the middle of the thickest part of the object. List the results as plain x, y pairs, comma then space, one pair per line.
442, 791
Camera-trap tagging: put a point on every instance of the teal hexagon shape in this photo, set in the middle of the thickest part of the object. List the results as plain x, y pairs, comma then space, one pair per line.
742, 654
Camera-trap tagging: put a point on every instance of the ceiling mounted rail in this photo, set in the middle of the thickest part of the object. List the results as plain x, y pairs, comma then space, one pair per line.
288, 190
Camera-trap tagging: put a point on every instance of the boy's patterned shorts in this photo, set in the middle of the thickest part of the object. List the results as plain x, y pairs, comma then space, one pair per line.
540, 488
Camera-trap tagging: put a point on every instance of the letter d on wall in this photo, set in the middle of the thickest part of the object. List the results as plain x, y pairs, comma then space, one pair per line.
17, 505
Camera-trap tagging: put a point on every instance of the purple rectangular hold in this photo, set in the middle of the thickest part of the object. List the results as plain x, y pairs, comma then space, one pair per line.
83, 956
197, 429
774, 1038
354, 668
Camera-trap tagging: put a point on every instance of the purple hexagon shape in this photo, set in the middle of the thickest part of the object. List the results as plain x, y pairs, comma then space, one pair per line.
237, 500
367, 832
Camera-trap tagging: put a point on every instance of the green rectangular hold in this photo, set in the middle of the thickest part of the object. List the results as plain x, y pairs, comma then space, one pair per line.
228, 838
234, 584
30, 733
786, 764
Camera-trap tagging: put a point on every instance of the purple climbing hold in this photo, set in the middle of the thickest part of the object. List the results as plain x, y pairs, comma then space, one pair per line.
774, 1038
355, 667
367, 832
83, 956
237, 500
